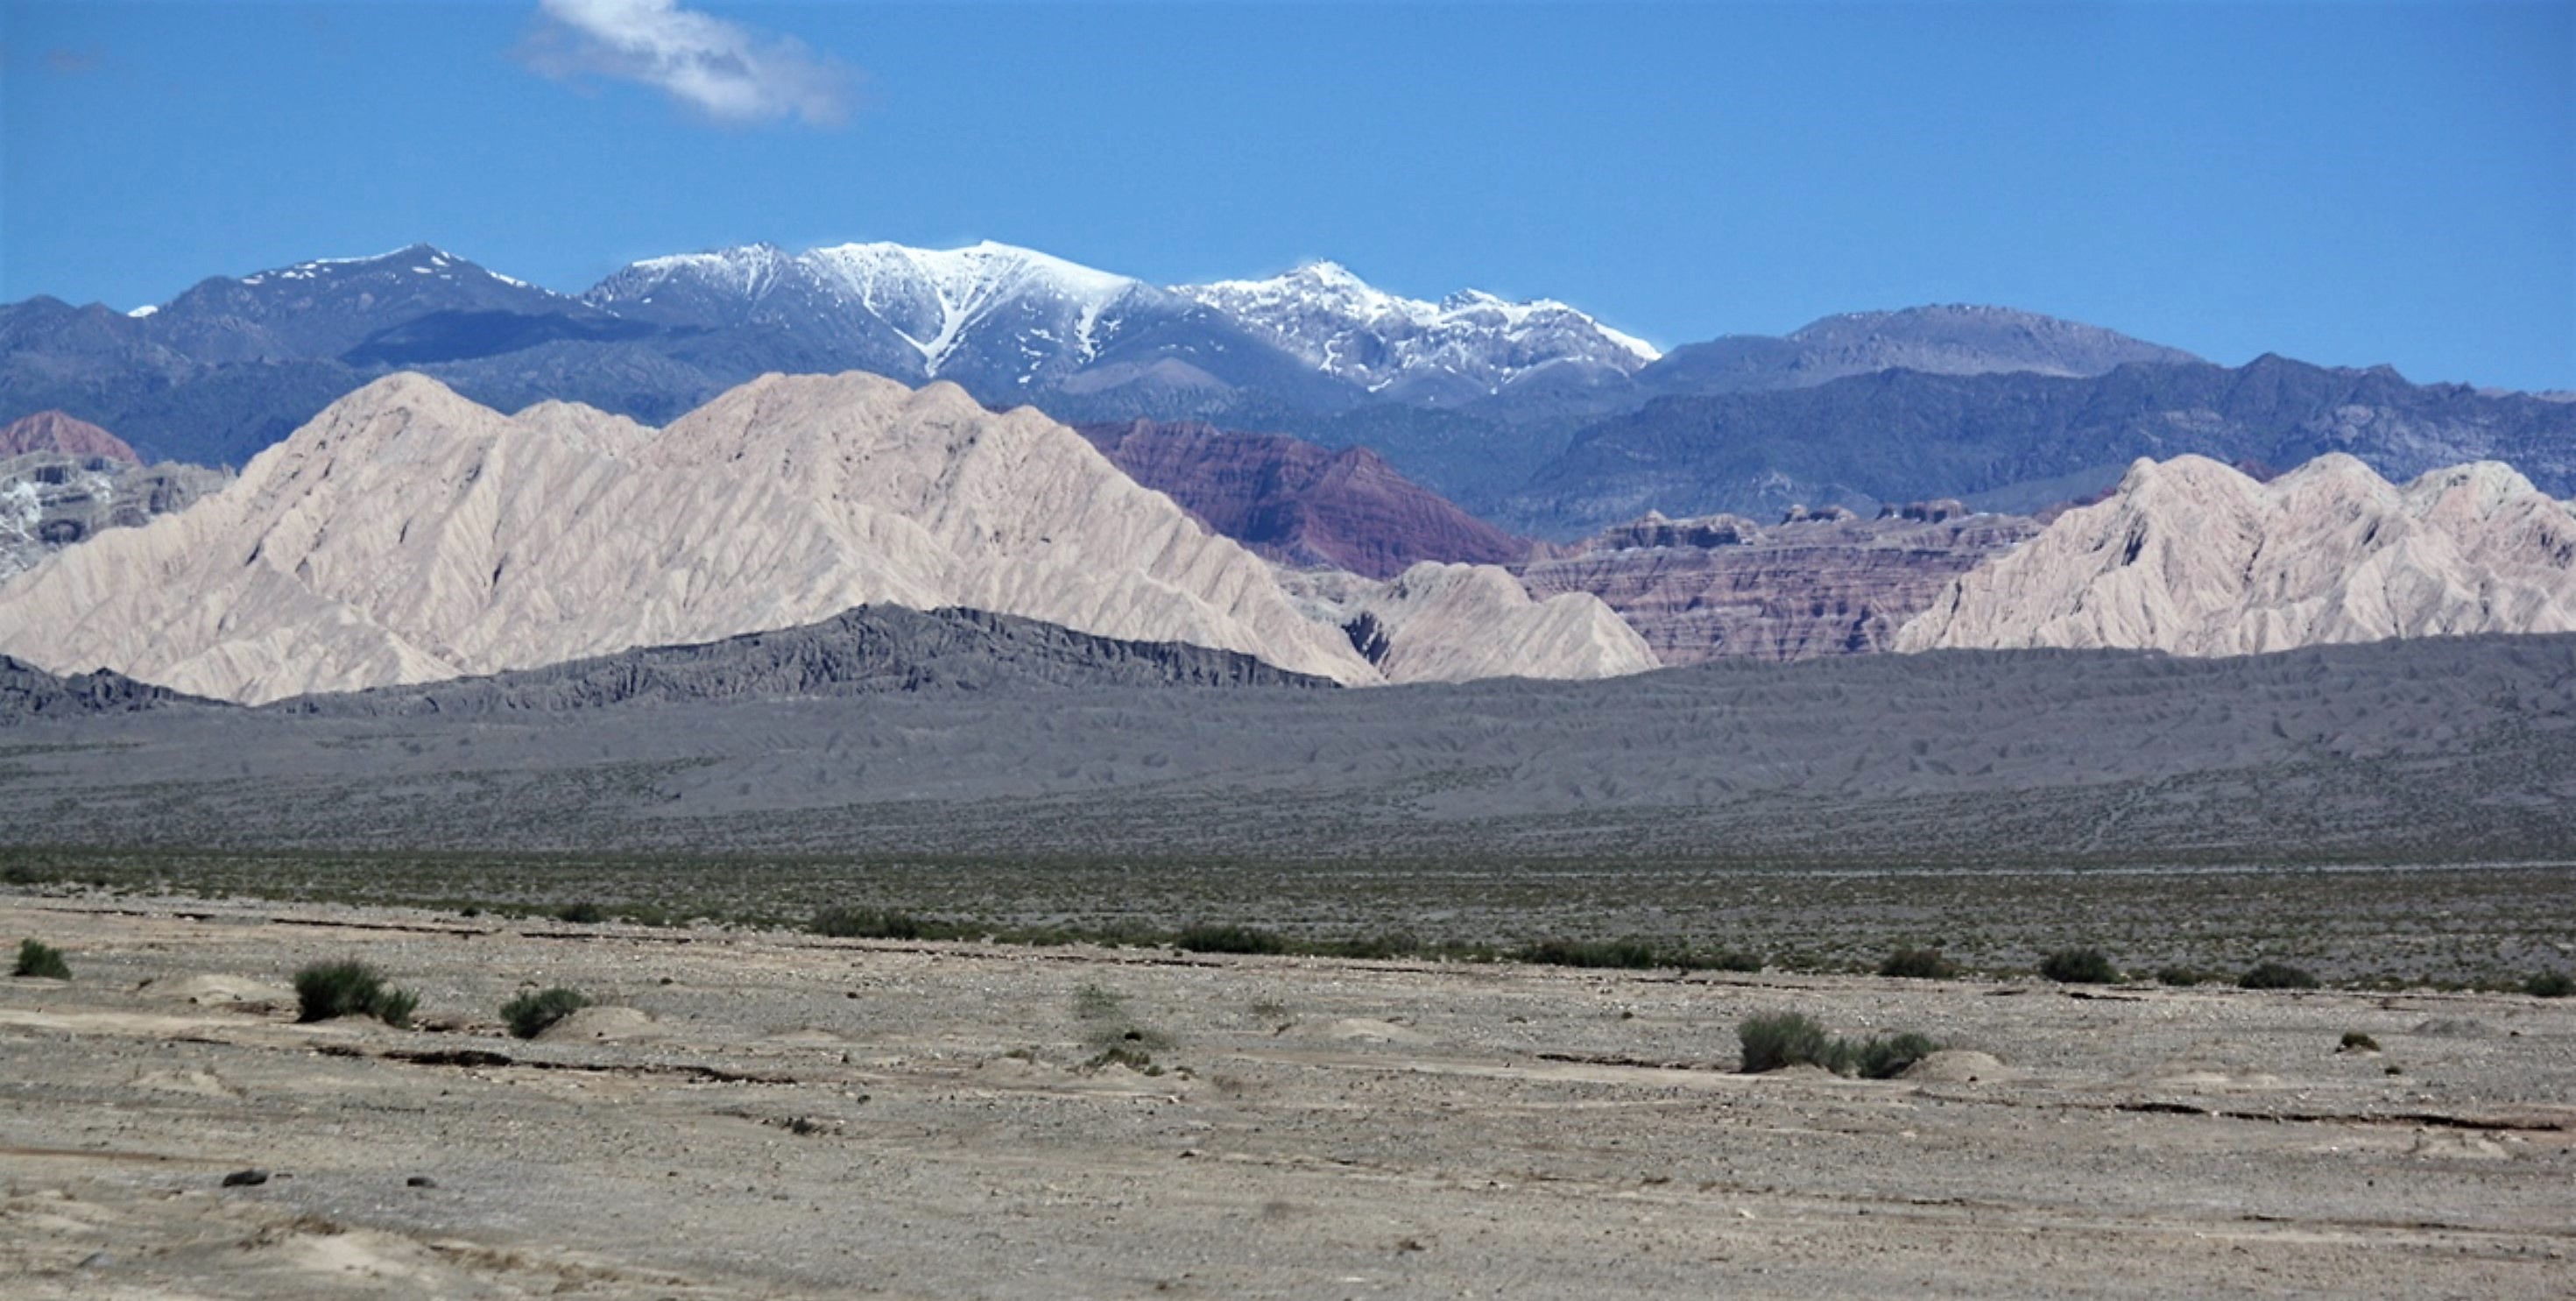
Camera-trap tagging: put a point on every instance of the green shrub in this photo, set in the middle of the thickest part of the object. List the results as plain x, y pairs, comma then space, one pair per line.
1885, 1059
2180, 977
883, 924
1631, 955
349, 987
39, 959
1734, 960
1230, 939
2079, 967
530, 1013
1777, 1039
1918, 964
2549, 984
2276, 975
2355, 1041
583, 913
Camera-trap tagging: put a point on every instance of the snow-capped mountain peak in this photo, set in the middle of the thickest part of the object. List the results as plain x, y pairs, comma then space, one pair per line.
938, 303
995, 314
940, 294
1468, 342
415, 259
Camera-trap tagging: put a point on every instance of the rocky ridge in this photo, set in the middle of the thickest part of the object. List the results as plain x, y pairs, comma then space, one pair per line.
867, 651
50, 500
2197, 558
29, 693
1724, 587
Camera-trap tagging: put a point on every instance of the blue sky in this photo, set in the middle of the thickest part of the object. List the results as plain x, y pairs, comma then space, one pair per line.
2346, 183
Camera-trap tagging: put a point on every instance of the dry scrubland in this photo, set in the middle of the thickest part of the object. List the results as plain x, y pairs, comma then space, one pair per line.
767, 1113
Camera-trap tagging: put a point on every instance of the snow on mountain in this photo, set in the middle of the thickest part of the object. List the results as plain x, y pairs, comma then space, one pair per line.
942, 293
1468, 344
982, 309
995, 316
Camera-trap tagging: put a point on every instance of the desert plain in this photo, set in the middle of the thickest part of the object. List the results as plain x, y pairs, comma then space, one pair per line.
768, 1113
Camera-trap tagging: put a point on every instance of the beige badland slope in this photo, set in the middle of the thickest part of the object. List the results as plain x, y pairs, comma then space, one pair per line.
409, 535
2193, 557
1451, 623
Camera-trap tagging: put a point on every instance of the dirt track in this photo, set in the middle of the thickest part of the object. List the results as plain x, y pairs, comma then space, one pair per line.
809, 1117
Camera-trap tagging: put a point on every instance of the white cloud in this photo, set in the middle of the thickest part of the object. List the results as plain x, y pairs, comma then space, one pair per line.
725, 70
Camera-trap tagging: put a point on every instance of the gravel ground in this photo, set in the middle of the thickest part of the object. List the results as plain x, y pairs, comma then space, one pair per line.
766, 1114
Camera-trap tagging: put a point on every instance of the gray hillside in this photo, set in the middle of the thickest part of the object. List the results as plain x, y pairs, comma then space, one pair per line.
867, 651
28, 692
2432, 750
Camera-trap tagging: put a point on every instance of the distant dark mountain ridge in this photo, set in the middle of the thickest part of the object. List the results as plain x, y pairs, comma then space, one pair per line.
2020, 441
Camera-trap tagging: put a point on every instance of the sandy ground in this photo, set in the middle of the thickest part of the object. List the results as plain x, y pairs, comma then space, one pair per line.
779, 1115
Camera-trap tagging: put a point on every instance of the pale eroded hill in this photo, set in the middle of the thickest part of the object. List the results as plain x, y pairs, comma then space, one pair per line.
2197, 558
408, 535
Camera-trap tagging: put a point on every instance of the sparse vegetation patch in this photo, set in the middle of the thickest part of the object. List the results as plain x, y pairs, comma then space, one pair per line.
42, 961
1230, 939
349, 987
1918, 964
2079, 967
2276, 975
1776, 1040
530, 1013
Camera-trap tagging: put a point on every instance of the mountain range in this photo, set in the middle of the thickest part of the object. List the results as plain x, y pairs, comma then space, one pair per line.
409, 535
1532, 414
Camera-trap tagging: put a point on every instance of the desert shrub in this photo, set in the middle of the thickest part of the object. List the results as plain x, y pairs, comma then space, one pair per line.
2355, 1041
1777, 1039
882, 924
37, 958
2180, 976
350, 988
2079, 967
2549, 984
530, 1013
1734, 960
1918, 964
1632, 955
2276, 975
395, 1006
583, 913
1230, 939
1885, 1059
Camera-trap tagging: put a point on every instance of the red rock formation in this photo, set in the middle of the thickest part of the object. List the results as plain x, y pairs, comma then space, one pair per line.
1301, 504
1791, 592
52, 431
